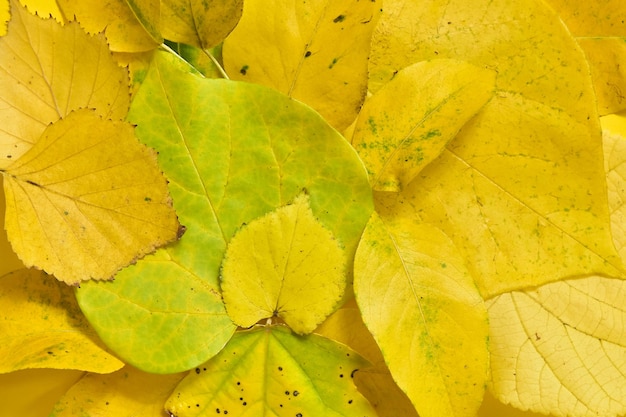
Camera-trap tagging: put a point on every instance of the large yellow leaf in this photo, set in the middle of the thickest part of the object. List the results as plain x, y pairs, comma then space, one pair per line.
314, 51
200, 22
561, 348
284, 264
408, 123
41, 326
87, 199
46, 71
424, 311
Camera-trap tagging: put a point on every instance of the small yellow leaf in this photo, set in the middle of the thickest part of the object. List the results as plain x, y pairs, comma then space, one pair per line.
41, 326
560, 348
314, 51
48, 70
284, 264
87, 199
200, 23
407, 124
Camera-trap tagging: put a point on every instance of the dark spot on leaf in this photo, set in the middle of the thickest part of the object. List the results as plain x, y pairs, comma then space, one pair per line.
296, 393
9, 156
106, 403
352, 373
340, 375
197, 370
299, 415
332, 64
349, 401
225, 411
339, 18
147, 199
307, 54
197, 405
286, 392
181, 231
217, 410
244, 70
66, 213
238, 383
32, 183
50, 353
245, 403
280, 368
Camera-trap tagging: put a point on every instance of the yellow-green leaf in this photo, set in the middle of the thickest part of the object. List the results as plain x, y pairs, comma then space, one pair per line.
41, 326
200, 23
87, 199
48, 70
407, 124
314, 51
284, 264
269, 371
148, 13
560, 348
422, 307
125, 393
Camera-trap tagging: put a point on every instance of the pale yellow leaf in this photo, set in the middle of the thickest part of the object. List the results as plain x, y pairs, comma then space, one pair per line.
284, 264
48, 70
314, 51
561, 348
41, 326
87, 199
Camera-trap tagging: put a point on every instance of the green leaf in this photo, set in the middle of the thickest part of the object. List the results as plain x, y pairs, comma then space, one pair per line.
269, 371
232, 152
422, 307
284, 264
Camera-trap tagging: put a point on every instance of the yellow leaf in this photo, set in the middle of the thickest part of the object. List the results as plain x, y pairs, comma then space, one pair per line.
10, 261
314, 51
420, 304
560, 348
284, 264
87, 199
44, 9
48, 70
407, 124
41, 326
125, 393
200, 23
5, 15
615, 165
148, 13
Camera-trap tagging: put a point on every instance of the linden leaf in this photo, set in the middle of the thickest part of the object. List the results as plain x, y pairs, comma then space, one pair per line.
87, 199
560, 348
424, 311
200, 23
284, 264
314, 51
271, 372
41, 326
48, 70
125, 393
232, 152
408, 123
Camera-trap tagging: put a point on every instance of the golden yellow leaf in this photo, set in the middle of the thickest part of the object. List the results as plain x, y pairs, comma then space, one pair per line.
5, 15
284, 264
314, 51
200, 23
41, 326
44, 9
125, 393
10, 261
560, 348
615, 165
408, 123
48, 70
87, 199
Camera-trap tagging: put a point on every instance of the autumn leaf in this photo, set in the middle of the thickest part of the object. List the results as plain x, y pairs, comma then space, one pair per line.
313, 51
232, 152
269, 371
46, 71
408, 123
41, 326
615, 165
284, 264
125, 393
199, 23
5, 15
86, 200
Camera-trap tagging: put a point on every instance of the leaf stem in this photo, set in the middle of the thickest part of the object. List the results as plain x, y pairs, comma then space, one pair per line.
216, 63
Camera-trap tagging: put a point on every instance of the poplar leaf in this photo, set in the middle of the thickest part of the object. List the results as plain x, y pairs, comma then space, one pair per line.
48, 70
269, 371
283, 264
41, 326
200, 23
313, 51
424, 311
408, 123
232, 152
125, 393
559, 349
86, 200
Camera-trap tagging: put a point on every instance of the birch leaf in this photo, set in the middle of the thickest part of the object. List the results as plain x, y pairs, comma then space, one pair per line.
271, 372
48, 70
284, 264
87, 200
420, 304
560, 348
408, 123
41, 326
313, 51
